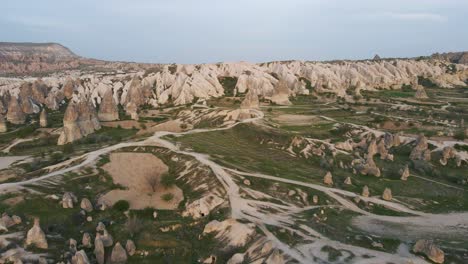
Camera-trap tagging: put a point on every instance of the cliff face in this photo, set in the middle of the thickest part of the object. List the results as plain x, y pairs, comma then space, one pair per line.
28, 58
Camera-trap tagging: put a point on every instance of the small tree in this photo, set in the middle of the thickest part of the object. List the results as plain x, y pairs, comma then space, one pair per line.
152, 181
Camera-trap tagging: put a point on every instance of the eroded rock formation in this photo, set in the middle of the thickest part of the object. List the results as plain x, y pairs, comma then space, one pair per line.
80, 120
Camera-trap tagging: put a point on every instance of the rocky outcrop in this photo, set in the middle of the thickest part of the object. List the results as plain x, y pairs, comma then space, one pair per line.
452, 57
26, 58
365, 191
15, 114
68, 200
86, 240
130, 247
119, 255
36, 236
420, 93
421, 150
328, 179
429, 249
3, 125
86, 205
80, 257
281, 94
387, 194
202, 207
447, 153
108, 110
405, 173
43, 118
80, 120
99, 252
231, 232
250, 101
348, 181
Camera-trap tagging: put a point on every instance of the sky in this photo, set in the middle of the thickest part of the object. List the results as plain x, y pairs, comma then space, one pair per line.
206, 31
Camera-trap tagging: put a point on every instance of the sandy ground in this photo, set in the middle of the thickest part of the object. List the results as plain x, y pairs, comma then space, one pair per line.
5, 162
171, 126
298, 120
132, 170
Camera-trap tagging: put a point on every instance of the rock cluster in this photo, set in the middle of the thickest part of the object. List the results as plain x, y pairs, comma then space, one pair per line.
328, 178
405, 173
429, 249
108, 110
15, 114
421, 150
36, 236
387, 194
80, 120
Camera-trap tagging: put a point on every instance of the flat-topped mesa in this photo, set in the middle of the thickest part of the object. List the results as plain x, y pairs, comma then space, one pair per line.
80, 120
108, 110
25, 58
15, 114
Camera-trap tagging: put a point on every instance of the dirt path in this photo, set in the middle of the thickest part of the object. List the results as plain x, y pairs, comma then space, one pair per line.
279, 215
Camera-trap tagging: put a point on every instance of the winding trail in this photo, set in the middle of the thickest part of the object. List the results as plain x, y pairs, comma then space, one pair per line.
277, 215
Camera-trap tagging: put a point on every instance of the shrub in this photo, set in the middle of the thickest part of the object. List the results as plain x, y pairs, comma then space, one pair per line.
167, 197
121, 206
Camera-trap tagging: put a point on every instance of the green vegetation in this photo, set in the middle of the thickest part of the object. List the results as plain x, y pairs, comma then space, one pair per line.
121, 206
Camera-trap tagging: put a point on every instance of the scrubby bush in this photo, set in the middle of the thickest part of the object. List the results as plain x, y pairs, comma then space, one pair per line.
121, 206
167, 197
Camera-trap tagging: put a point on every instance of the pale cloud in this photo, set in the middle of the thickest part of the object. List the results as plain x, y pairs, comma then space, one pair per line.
38, 23
417, 17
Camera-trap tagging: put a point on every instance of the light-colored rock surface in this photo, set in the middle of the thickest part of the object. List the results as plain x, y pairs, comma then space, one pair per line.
202, 207
68, 200
108, 110
405, 173
80, 257
86, 205
348, 181
237, 258
99, 252
3, 125
421, 150
119, 255
36, 236
130, 247
429, 249
80, 120
387, 194
365, 191
231, 232
328, 178
15, 113
43, 122
86, 241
